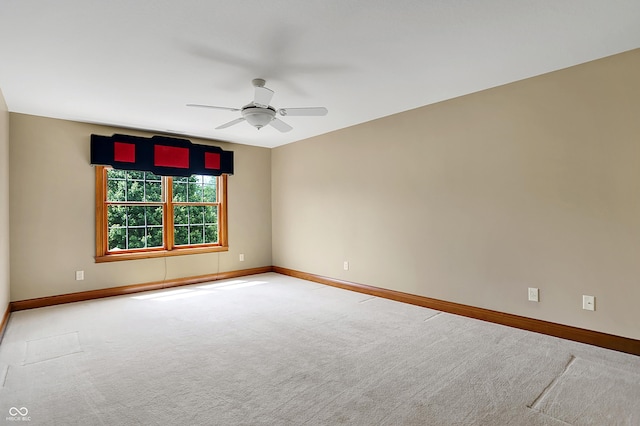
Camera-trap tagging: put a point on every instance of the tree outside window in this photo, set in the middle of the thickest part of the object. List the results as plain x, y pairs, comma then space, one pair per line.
140, 214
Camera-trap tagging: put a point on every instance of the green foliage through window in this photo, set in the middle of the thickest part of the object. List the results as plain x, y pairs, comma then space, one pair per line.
135, 210
194, 189
134, 227
123, 185
195, 224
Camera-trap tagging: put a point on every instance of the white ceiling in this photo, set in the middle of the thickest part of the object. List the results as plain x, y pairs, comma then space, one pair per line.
136, 63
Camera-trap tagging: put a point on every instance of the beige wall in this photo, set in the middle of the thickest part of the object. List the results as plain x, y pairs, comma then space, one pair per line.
532, 184
52, 198
4, 207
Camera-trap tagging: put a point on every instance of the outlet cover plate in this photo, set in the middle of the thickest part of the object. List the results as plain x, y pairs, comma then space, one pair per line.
534, 294
589, 303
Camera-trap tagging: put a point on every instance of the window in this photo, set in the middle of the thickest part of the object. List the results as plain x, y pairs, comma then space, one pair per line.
141, 215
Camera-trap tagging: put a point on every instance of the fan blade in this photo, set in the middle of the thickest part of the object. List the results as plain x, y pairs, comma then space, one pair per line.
280, 125
213, 107
231, 123
303, 111
262, 97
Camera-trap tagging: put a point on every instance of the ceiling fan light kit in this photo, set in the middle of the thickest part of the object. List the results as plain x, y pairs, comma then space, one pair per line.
258, 117
259, 113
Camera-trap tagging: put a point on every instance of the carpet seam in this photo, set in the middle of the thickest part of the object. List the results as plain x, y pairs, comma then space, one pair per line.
24, 364
432, 316
4, 376
551, 385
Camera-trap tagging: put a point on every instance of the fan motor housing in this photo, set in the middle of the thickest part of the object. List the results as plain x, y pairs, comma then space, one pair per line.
257, 116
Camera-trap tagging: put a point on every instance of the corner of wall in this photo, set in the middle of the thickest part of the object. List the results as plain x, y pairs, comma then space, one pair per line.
530, 184
4, 211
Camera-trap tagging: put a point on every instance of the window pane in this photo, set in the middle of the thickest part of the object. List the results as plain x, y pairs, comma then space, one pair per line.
133, 186
179, 191
209, 193
117, 238
136, 216
195, 189
116, 216
154, 215
154, 236
181, 215
196, 234
132, 227
211, 214
211, 234
196, 215
116, 190
153, 191
136, 238
152, 177
132, 174
116, 174
194, 192
209, 180
135, 190
181, 235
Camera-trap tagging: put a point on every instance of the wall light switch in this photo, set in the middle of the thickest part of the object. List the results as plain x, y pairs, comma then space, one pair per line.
534, 294
589, 303
79, 275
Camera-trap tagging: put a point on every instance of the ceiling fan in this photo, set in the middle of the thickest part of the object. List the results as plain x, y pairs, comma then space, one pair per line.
259, 113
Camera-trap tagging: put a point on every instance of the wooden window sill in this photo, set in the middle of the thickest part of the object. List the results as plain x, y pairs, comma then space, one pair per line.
115, 257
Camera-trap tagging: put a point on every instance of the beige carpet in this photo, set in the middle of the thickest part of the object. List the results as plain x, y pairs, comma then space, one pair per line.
273, 350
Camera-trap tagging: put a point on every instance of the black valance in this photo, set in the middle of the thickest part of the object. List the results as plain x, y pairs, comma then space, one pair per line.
161, 155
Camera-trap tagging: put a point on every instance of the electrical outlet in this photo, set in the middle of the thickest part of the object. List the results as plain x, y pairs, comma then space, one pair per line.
588, 303
241, 257
534, 294
79, 275
345, 265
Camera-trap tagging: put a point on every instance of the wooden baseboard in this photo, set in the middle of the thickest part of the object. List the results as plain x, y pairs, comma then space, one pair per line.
608, 341
5, 320
128, 289
596, 338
